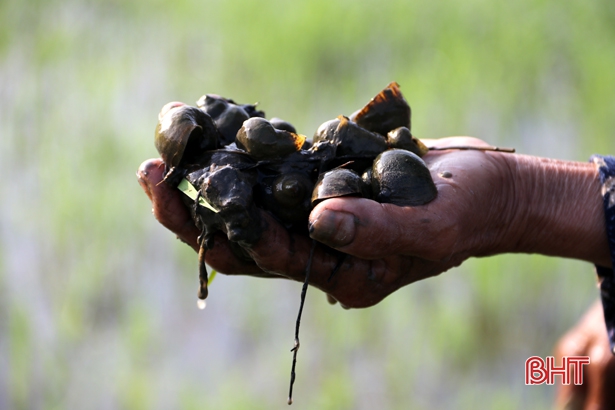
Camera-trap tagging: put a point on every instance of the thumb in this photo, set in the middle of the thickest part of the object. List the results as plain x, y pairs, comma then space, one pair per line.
167, 205
371, 230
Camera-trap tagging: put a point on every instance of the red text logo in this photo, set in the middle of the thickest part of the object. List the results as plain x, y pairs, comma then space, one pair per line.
539, 371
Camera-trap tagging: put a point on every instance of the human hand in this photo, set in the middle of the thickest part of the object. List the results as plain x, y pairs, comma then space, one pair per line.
487, 203
588, 338
393, 246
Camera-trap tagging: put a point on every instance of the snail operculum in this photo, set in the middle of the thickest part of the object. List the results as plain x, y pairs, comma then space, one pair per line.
385, 112
400, 177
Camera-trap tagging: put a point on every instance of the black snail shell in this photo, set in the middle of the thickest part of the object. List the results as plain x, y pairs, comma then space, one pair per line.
262, 141
284, 187
337, 183
402, 138
280, 124
227, 115
349, 138
230, 191
400, 177
183, 133
291, 193
226, 182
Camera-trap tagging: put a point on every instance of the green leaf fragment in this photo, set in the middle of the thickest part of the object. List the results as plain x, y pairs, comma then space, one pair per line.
212, 275
190, 191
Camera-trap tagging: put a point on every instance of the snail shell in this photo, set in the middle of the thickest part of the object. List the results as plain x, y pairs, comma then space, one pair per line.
400, 177
350, 139
292, 194
402, 138
227, 116
262, 141
230, 191
366, 176
280, 124
183, 133
215, 159
339, 182
385, 112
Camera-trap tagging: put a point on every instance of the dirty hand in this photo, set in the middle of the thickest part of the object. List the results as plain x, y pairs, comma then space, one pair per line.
487, 203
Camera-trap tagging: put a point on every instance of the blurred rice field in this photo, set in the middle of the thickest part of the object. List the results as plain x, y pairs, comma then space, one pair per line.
97, 301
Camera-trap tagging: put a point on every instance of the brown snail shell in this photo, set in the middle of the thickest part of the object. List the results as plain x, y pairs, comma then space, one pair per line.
350, 139
400, 177
337, 183
262, 141
402, 138
183, 133
385, 112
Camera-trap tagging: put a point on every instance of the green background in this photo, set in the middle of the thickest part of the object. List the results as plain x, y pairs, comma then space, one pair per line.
98, 302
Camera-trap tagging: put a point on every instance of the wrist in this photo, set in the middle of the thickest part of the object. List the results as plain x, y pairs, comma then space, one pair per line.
556, 209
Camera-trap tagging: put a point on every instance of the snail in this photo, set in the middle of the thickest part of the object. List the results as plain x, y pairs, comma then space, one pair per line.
280, 124
291, 194
397, 176
402, 138
262, 141
182, 134
337, 183
227, 115
349, 138
401, 177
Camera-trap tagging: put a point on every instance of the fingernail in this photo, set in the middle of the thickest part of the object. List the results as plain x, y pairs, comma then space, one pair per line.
333, 228
143, 172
